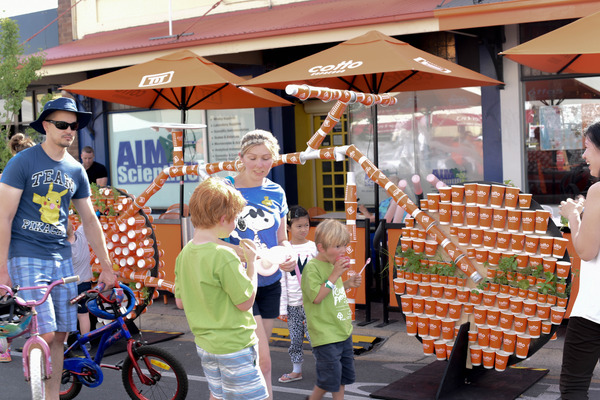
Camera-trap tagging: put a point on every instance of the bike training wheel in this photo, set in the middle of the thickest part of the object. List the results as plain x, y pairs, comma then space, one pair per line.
36, 372
69, 385
166, 372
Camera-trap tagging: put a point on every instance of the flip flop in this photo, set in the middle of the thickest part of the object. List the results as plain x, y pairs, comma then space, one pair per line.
286, 378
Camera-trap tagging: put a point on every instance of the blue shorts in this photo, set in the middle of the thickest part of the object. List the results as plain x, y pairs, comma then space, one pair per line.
56, 314
335, 365
266, 302
82, 305
234, 376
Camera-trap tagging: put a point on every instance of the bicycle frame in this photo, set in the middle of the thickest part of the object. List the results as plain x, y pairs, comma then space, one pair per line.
35, 340
109, 334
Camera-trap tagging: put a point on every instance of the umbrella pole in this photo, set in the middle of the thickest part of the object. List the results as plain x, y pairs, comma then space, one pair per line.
181, 181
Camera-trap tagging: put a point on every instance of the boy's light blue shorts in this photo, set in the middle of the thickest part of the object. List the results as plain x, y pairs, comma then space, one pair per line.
234, 376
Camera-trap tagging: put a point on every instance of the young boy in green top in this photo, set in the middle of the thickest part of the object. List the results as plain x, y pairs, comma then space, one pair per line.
328, 314
217, 293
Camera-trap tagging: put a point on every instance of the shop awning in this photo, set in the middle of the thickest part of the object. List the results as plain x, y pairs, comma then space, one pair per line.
296, 24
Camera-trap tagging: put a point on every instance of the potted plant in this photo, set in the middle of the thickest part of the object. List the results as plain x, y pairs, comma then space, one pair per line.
476, 295
546, 286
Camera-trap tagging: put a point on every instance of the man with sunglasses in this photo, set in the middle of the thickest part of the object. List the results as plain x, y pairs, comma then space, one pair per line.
36, 188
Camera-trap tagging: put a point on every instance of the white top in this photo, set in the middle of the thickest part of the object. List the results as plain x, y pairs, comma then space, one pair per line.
291, 293
587, 304
80, 251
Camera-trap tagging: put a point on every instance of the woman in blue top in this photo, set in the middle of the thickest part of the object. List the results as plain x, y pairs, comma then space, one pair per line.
263, 222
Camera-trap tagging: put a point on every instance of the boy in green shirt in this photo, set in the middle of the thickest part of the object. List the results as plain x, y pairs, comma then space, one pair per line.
328, 314
217, 293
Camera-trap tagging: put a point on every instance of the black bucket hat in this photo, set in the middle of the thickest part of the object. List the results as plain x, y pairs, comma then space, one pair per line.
61, 104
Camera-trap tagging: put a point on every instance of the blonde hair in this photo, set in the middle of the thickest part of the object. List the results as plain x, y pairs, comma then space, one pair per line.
258, 137
331, 233
213, 199
20, 142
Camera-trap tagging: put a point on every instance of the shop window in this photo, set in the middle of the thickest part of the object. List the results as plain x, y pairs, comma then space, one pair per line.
331, 175
429, 132
557, 112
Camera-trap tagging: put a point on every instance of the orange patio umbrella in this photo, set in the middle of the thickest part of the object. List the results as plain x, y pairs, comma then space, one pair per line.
182, 80
373, 63
570, 49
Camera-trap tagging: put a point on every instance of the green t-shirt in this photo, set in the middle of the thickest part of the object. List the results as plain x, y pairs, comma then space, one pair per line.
210, 280
331, 320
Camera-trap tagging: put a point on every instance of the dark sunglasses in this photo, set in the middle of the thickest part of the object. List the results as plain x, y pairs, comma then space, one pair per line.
62, 125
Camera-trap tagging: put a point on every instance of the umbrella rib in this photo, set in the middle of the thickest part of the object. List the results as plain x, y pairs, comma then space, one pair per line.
568, 64
413, 73
350, 84
208, 95
160, 94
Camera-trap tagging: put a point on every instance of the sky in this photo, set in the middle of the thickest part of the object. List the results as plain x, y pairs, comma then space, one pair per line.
10, 8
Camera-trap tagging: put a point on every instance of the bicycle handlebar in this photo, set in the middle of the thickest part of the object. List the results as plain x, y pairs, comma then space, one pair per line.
30, 303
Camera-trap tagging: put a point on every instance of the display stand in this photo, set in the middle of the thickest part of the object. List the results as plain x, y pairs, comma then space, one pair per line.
451, 380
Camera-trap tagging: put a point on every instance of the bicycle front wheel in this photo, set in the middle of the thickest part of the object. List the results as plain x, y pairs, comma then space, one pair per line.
167, 379
36, 373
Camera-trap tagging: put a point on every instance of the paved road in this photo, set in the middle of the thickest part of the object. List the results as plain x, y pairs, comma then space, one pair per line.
398, 356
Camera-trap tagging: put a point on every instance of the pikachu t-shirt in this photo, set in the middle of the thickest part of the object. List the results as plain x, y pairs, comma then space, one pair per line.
39, 228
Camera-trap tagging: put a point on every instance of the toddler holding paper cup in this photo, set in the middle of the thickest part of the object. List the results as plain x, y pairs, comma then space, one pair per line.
328, 314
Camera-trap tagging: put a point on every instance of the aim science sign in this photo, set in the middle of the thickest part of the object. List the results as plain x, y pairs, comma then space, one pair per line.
138, 154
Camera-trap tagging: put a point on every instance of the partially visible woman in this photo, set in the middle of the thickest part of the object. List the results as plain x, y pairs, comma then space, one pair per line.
263, 222
16, 143
582, 341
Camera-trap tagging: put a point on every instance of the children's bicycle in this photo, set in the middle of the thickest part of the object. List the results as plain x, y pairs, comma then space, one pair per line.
18, 317
148, 372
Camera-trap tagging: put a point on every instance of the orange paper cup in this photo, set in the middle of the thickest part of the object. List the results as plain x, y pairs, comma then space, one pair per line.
543, 310
511, 197
458, 193
476, 354
472, 336
494, 257
497, 196
557, 314
483, 194
509, 341
445, 194
411, 324
464, 235
501, 360
513, 220
517, 242
522, 345
525, 200
496, 338
528, 221
489, 358
428, 347
422, 325
430, 303
448, 325
406, 302
433, 202
399, 285
559, 246
541, 220
549, 264
546, 327
445, 211
529, 307
458, 214
431, 247
440, 349
435, 327
418, 304
418, 245
534, 327
489, 239
506, 319
546, 245
455, 310
493, 317
476, 237
503, 241
481, 255
472, 215
562, 269
485, 217
480, 315
522, 260
520, 323
499, 219
441, 308
483, 335
531, 244
503, 301
470, 193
